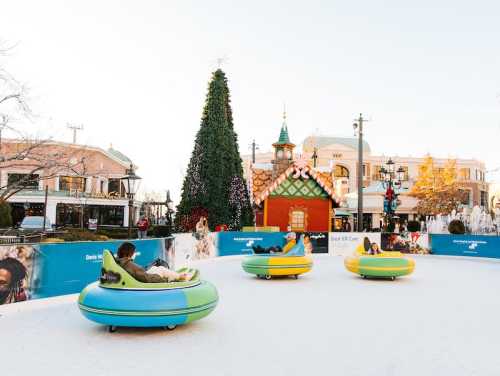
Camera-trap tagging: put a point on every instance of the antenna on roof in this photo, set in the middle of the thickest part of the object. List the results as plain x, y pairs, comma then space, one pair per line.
74, 128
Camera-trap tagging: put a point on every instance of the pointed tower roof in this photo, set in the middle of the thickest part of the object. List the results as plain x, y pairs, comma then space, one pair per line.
284, 138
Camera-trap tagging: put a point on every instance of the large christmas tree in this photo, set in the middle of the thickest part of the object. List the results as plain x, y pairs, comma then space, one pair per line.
214, 186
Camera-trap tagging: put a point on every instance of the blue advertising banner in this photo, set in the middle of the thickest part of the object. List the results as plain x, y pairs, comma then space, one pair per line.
241, 243
465, 245
66, 268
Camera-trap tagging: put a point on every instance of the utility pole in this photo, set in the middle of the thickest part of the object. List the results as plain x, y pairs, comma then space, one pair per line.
254, 147
75, 128
315, 156
359, 126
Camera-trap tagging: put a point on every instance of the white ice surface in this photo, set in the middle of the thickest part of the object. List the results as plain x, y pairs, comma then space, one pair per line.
442, 320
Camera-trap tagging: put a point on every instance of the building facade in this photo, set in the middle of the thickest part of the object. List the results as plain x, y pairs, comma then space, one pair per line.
336, 159
83, 183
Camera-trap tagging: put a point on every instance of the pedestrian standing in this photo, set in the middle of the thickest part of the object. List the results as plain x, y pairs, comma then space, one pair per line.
142, 228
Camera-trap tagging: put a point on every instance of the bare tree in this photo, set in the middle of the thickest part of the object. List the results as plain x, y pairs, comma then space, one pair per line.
39, 159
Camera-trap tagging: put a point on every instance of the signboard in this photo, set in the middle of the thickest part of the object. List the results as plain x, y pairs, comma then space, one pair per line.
465, 245
345, 243
66, 268
241, 243
319, 241
93, 224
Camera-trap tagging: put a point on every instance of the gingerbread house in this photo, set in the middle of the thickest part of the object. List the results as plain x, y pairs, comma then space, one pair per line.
291, 193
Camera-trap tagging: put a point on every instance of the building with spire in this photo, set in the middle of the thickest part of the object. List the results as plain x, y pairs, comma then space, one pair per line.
289, 193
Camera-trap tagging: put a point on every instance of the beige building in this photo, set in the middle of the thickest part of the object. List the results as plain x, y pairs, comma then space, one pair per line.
83, 183
338, 157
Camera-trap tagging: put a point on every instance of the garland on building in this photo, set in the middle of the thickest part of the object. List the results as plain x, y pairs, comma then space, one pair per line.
214, 185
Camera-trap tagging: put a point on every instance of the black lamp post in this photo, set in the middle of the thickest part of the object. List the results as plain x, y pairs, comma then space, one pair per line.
170, 210
358, 125
131, 182
391, 180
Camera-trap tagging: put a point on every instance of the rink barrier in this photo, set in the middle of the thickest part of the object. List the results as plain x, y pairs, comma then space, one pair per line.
64, 268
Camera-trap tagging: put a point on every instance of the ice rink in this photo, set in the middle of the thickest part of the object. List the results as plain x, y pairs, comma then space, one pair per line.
442, 320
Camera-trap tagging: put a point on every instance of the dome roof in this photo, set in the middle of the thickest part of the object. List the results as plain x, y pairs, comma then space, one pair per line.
322, 141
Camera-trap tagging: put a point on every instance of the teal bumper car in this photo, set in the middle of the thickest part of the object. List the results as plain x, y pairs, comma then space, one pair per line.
120, 300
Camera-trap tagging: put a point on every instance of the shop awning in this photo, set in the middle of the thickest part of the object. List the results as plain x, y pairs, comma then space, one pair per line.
342, 213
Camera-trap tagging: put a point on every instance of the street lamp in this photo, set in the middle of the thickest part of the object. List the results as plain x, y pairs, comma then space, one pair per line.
391, 180
358, 125
315, 156
131, 183
170, 210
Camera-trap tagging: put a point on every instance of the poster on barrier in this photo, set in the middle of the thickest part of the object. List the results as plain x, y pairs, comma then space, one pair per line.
194, 246
407, 242
465, 245
243, 243
16, 272
66, 268
315, 242
345, 243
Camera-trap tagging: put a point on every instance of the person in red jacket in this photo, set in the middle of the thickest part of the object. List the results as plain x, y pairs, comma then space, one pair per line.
142, 227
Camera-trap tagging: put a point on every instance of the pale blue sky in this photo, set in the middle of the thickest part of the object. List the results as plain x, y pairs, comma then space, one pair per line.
135, 73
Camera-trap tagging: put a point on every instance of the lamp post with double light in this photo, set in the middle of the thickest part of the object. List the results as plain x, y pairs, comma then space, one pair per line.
131, 183
358, 126
392, 179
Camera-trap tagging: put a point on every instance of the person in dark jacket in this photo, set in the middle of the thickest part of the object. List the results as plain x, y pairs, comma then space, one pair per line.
156, 274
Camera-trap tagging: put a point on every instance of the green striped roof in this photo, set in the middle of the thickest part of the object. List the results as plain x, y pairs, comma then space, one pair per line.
284, 139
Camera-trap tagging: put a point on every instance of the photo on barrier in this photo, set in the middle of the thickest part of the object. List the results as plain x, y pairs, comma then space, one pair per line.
16, 272
314, 242
406, 242
348, 243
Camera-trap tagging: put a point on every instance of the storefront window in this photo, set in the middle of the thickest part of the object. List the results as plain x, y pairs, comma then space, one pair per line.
116, 187
298, 220
24, 180
20, 210
484, 199
376, 173
367, 221
466, 197
341, 172
72, 183
71, 215
366, 170
405, 174
464, 174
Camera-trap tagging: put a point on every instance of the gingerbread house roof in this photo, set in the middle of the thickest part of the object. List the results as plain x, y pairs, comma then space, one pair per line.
261, 179
263, 186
